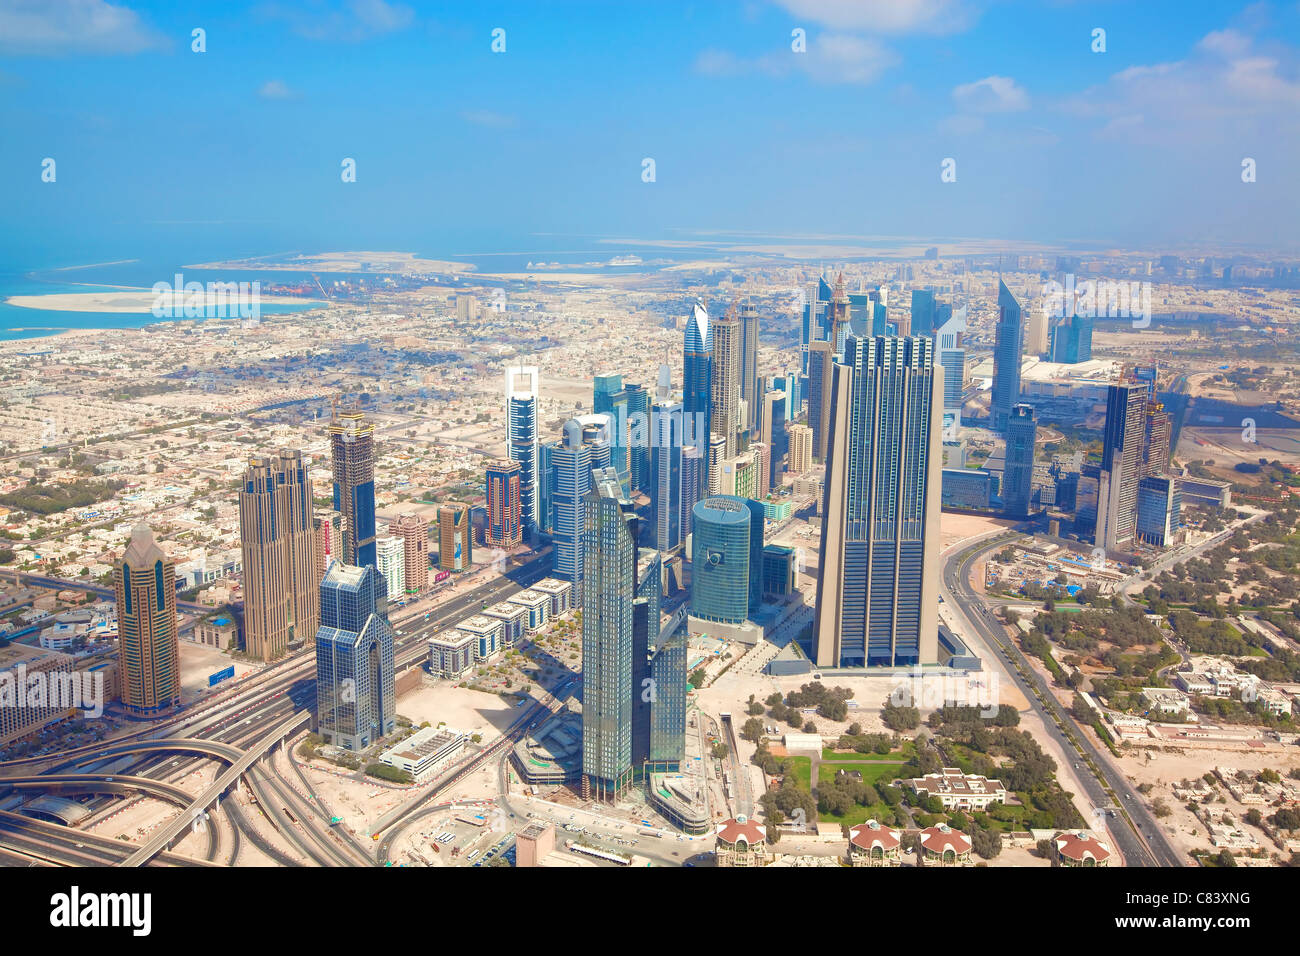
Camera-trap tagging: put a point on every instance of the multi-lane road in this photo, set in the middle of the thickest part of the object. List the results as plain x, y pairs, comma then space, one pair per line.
1131, 825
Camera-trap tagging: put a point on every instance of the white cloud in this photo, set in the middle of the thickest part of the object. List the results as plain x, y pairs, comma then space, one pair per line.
489, 119
348, 22
993, 94
829, 58
276, 90
54, 27
886, 16
1229, 86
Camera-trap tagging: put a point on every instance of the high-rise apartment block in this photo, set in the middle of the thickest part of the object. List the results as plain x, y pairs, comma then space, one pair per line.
144, 586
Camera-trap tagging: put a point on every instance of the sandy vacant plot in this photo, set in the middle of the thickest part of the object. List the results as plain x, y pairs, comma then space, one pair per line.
471, 711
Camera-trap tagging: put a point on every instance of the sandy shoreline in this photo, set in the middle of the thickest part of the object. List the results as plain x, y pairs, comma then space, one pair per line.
136, 302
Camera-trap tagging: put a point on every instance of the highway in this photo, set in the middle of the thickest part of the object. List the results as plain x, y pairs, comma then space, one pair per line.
223, 727
1134, 830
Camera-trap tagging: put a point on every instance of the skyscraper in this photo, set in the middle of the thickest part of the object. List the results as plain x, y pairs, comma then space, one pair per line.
877, 586
1072, 340
281, 574
1017, 478
355, 695
144, 586
812, 326
390, 555
697, 379
1121, 466
774, 432
750, 391
724, 387
721, 553
609, 543
668, 703
609, 397
922, 312
638, 416
666, 473
1006, 358
414, 532
522, 399
821, 362
952, 356
1036, 333
504, 518
1156, 439
455, 538
352, 446
801, 460
692, 485
572, 459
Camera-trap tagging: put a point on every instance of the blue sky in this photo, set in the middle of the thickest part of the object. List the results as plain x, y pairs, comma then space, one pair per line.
460, 149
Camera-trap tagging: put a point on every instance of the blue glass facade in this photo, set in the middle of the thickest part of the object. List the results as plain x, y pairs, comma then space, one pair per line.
720, 558
355, 696
697, 375
1006, 358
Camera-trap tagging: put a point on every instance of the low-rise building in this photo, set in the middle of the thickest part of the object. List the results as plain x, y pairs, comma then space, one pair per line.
943, 846
451, 654
560, 592
514, 618
1166, 700
425, 752
871, 844
538, 605
487, 635
742, 842
960, 791
1081, 848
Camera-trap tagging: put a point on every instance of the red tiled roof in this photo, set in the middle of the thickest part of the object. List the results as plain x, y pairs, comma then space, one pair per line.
871, 834
1080, 846
941, 839
733, 831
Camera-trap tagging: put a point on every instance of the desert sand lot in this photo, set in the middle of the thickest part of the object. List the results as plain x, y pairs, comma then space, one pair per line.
470, 711
954, 528
199, 661
1163, 767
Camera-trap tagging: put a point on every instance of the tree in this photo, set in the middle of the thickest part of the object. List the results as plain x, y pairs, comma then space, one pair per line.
752, 729
986, 841
901, 718
697, 677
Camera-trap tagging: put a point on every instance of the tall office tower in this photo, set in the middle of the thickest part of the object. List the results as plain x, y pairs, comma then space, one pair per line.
923, 312
1018, 476
774, 431
717, 459
1072, 340
277, 542
722, 555
572, 459
522, 406
952, 357
749, 385
504, 517
638, 415
390, 557
821, 362
328, 543
1121, 466
1159, 510
801, 447
356, 701
668, 705
763, 462
942, 313
793, 400
724, 387
352, 446
610, 398
144, 585
1036, 329
692, 485
1156, 438
1006, 358
609, 592
466, 308
697, 383
812, 326
877, 585
455, 538
1147, 374
647, 599
414, 532
666, 473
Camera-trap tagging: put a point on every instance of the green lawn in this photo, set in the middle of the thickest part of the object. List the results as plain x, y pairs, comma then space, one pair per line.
873, 771
801, 768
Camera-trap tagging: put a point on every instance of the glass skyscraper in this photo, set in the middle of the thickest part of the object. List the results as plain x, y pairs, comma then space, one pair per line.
609, 543
609, 397
1121, 466
952, 356
638, 416
697, 377
584, 448
352, 448
522, 398
1006, 358
721, 552
144, 585
355, 697
877, 587
666, 473
1017, 478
